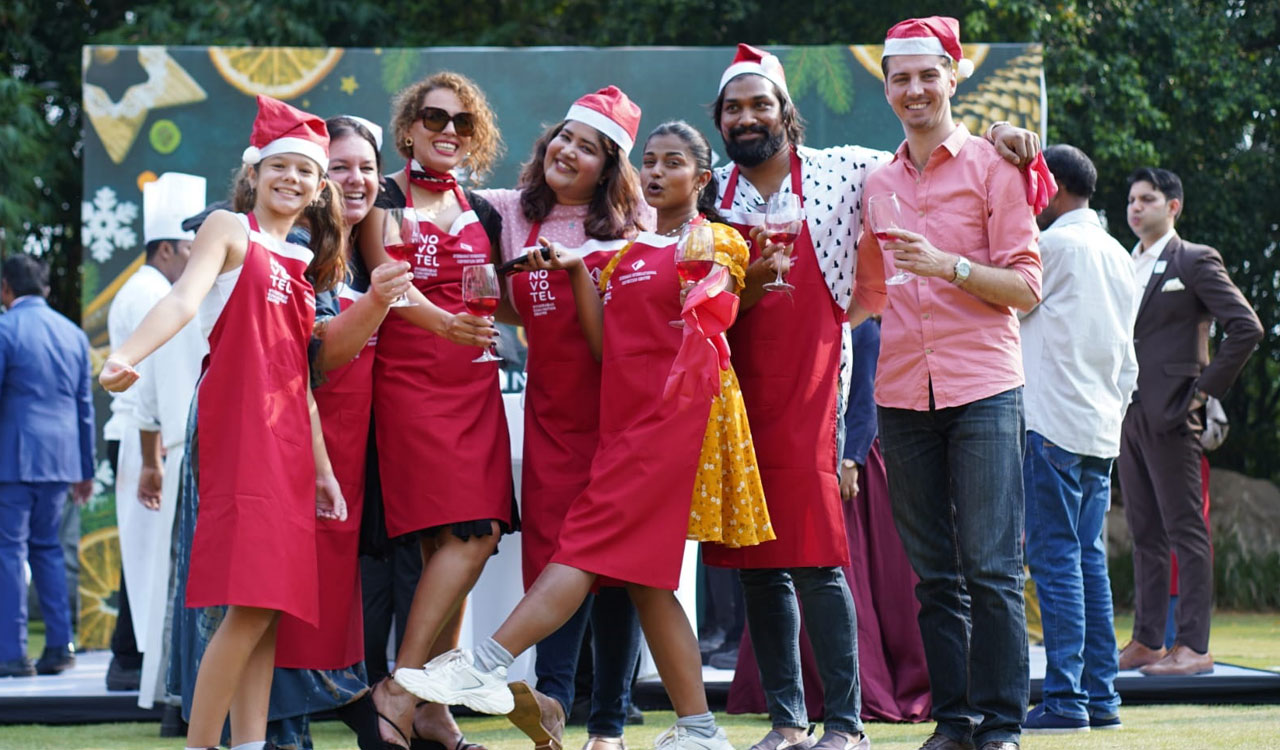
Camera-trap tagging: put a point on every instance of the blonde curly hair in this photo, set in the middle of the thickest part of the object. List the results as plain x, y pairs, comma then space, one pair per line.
486, 143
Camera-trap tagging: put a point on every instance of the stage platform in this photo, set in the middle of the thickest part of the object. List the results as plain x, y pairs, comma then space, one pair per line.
80, 696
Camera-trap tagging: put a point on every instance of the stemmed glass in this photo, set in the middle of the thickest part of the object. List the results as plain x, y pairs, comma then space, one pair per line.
884, 213
480, 296
783, 219
695, 256
399, 243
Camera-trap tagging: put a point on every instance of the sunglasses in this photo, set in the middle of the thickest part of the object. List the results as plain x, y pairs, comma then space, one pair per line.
436, 120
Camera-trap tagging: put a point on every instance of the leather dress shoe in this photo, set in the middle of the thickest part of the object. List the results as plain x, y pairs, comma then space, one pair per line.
55, 660
1135, 655
1182, 660
120, 677
17, 668
940, 741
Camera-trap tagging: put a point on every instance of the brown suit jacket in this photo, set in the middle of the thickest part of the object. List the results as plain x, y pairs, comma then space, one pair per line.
1171, 332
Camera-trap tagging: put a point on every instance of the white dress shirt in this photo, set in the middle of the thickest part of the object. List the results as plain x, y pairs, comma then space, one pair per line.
1144, 264
1077, 344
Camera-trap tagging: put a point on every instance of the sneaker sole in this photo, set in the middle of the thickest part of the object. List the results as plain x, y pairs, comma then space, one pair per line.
527, 717
486, 703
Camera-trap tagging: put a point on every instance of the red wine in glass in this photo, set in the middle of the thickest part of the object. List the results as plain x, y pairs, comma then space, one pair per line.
695, 256
782, 222
884, 213
480, 294
693, 270
398, 239
482, 307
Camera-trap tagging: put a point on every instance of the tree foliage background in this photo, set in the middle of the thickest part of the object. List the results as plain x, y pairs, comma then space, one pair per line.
1193, 85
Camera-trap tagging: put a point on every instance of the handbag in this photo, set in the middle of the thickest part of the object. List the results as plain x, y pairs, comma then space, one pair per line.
1216, 425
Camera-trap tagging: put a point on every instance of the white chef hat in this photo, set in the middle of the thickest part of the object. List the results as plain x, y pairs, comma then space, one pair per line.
167, 201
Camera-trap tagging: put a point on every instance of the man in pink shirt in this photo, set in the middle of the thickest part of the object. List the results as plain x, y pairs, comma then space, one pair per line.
949, 385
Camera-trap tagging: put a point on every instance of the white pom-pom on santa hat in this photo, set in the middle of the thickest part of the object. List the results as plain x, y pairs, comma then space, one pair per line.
935, 35
252, 155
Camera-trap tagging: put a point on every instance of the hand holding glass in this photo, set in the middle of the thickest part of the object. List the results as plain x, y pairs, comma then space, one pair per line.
480, 296
783, 220
884, 213
401, 240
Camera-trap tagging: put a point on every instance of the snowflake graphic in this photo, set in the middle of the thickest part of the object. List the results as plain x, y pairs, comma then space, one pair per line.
107, 224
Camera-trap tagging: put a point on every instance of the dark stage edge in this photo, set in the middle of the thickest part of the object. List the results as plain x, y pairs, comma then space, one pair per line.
79, 696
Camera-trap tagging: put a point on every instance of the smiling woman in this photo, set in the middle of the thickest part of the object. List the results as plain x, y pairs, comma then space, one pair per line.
454, 495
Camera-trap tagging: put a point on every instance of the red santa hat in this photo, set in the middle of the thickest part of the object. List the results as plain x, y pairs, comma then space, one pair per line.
611, 112
935, 35
752, 60
281, 129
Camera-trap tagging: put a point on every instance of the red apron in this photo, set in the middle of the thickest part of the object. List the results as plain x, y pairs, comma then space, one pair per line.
344, 401
255, 536
562, 401
443, 450
631, 521
786, 351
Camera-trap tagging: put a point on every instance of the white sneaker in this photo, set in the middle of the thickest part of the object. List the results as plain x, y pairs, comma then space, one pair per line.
679, 738
452, 678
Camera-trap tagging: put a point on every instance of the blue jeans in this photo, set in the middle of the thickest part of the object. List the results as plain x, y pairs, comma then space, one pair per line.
615, 651
955, 482
773, 618
30, 516
1067, 499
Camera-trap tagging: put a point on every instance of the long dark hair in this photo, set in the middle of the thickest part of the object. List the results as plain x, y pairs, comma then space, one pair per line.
323, 219
700, 150
614, 211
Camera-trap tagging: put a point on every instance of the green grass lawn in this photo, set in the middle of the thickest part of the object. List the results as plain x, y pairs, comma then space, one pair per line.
1146, 728
1248, 639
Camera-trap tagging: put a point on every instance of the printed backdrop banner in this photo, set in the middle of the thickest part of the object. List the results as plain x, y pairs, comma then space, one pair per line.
152, 110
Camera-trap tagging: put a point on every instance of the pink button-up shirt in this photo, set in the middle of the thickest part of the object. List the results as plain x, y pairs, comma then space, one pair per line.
971, 202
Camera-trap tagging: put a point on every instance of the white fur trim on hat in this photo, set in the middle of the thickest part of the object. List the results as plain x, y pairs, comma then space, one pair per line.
302, 146
916, 45
612, 130
744, 68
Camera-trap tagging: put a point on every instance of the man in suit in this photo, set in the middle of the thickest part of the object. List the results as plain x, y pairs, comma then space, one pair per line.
46, 444
1181, 288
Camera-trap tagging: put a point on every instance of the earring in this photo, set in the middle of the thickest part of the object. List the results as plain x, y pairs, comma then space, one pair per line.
408, 142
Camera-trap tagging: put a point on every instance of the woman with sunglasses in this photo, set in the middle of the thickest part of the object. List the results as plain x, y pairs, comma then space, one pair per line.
579, 191
443, 452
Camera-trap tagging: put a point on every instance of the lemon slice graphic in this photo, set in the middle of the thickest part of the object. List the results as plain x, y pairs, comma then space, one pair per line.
280, 72
99, 587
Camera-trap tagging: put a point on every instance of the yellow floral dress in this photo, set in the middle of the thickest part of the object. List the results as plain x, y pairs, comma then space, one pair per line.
728, 504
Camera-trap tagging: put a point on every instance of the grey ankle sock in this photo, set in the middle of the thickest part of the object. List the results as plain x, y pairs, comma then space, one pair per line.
699, 725
490, 655
259, 745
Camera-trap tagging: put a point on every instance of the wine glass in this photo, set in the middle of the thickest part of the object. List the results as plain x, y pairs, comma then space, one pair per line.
884, 213
783, 220
480, 296
400, 241
695, 256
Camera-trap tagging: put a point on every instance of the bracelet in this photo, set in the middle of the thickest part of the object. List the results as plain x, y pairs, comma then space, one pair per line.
990, 135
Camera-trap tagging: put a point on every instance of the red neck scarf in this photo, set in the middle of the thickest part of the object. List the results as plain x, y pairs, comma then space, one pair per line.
429, 179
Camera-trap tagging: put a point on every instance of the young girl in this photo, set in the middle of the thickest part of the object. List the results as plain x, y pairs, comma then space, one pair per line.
264, 474
631, 521
444, 455
579, 190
